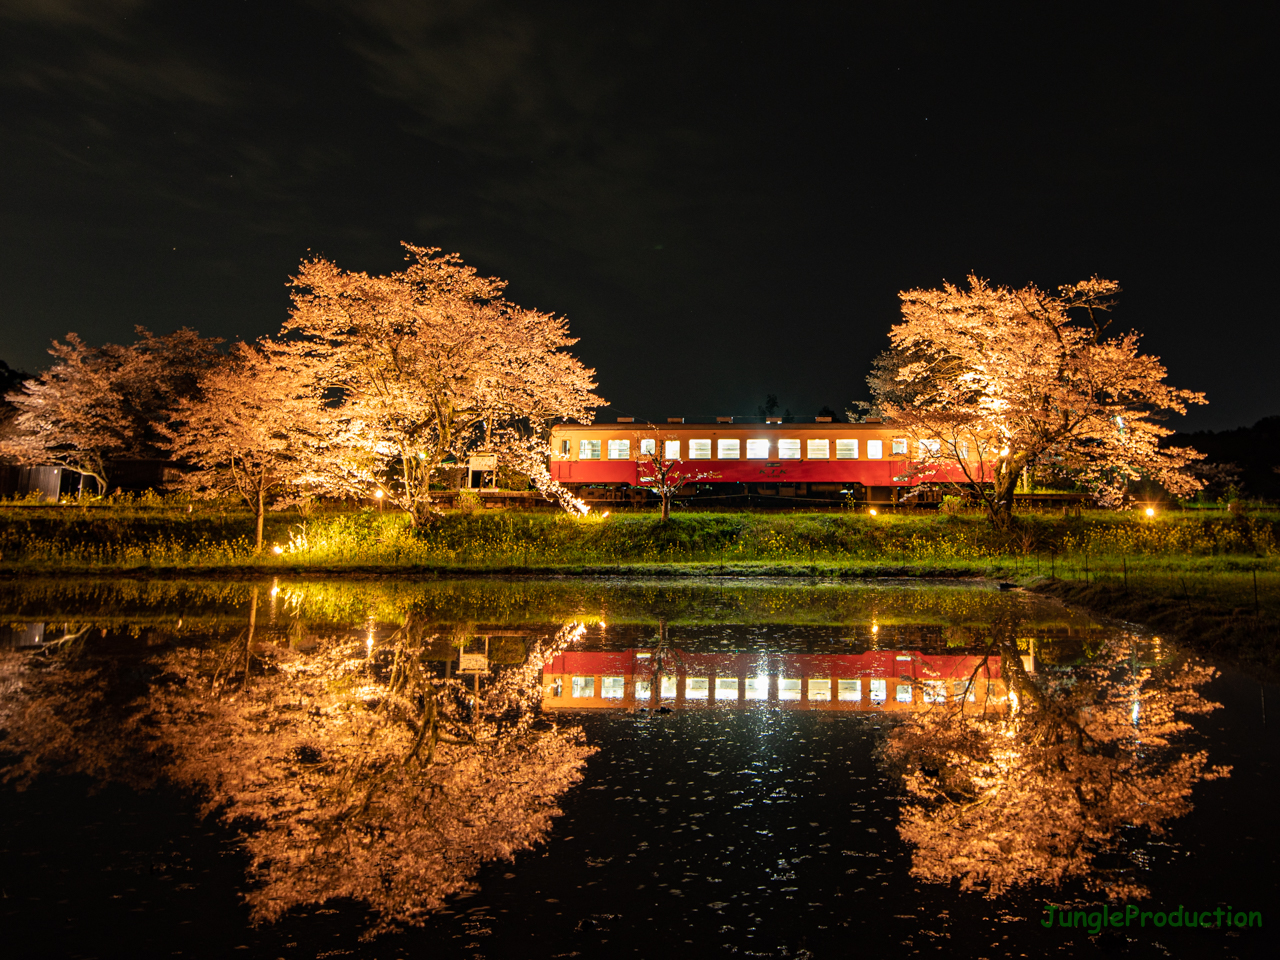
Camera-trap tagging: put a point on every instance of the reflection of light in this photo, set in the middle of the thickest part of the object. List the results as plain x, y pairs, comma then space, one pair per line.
275, 587
277, 549
1136, 706
875, 628
603, 625
1013, 701
605, 514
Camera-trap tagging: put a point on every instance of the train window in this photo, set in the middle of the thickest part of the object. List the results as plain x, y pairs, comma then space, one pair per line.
849, 689
611, 688
961, 450
671, 450
788, 688
904, 693
557, 688
846, 449
648, 447
757, 449
668, 690
584, 686
788, 449
959, 687
726, 688
619, 449
935, 691
875, 449
696, 688
644, 690
758, 687
899, 447
818, 449
588, 449
728, 449
564, 448
819, 689
699, 449
930, 448
878, 691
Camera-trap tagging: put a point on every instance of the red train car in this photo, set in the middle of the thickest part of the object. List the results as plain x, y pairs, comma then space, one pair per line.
875, 680
814, 460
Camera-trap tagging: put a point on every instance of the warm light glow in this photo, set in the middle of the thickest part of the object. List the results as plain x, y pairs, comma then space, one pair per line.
378, 494
875, 628
605, 514
873, 513
1151, 511
277, 549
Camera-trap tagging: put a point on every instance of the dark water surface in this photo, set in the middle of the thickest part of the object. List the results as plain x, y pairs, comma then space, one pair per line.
211, 770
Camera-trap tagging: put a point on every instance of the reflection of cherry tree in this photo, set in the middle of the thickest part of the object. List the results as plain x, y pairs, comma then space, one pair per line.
1037, 794
353, 769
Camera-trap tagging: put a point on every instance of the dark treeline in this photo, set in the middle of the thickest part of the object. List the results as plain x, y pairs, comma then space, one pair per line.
1247, 457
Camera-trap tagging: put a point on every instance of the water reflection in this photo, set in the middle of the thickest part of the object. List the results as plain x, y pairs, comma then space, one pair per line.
381, 742
1049, 791
352, 764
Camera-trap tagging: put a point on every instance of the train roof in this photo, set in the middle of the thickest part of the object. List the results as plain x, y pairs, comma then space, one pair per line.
713, 422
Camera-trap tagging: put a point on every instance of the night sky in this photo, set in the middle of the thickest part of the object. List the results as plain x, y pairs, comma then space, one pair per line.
724, 199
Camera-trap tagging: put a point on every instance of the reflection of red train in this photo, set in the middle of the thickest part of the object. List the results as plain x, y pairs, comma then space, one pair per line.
875, 680
822, 459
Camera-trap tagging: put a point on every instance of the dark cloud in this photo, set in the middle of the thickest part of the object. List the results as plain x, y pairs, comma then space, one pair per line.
723, 199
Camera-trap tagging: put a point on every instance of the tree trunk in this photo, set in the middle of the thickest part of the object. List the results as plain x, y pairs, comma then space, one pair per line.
1004, 484
259, 510
666, 506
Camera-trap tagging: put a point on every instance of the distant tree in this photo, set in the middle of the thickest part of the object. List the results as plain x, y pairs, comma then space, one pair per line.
99, 404
251, 431
10, 380
1018, 378
770, 409
1250, 452
429, 363
828, 412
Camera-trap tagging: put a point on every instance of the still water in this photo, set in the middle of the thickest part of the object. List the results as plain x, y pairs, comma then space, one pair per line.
597, 768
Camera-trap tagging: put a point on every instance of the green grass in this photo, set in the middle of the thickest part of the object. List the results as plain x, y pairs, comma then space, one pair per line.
139, 536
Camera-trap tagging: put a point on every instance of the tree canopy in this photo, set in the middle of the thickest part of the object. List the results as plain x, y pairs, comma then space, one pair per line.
429, 364
99, 404
996, 381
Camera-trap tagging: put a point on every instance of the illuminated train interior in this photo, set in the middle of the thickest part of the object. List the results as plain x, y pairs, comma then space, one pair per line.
820, 459
879, 680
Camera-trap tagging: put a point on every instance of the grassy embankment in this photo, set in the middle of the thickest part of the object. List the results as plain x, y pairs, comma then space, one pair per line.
1192, 576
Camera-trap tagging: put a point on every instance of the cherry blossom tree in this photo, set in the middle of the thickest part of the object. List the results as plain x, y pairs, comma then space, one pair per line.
1043, 793
994, 381
667, 476
253, 428
428, 363
99, 404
